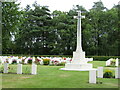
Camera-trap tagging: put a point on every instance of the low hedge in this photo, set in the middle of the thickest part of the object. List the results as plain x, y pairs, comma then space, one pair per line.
37, 55
103, 58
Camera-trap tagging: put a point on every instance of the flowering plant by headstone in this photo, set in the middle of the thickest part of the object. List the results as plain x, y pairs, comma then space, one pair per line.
30, 61
20, 62
36, 62
6, 61
46, 61
108, 74
113, 62
14, 62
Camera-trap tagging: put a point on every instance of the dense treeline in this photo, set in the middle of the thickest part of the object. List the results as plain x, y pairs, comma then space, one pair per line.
41, 32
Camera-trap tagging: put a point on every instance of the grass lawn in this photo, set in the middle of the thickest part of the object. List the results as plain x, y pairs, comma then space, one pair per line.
52, 77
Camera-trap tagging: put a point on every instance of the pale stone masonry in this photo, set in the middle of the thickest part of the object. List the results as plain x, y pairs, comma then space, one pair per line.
19, 69
34, 69
92, 76
5, 68
100, 72
79, 61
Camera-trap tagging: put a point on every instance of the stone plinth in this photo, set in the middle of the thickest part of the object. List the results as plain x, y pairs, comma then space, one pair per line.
79, 63
77, 67
79, 57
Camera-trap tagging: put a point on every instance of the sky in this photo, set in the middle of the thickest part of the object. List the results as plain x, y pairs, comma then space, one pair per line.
66, 5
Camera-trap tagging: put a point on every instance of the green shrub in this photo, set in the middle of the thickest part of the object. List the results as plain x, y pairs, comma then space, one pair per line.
113, 62
30, 61
61, 64
1, 69
37, 55
14, 62
46, 61
37, 62
22, 61
108, 74
103, 58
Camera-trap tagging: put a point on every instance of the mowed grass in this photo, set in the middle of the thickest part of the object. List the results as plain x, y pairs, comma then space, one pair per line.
52, 77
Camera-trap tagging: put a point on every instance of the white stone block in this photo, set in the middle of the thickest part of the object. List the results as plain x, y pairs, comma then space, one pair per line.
41, 62
19, 69
26, 60
117, 72
78, 66
50, 62
108, 62
5, 67
92, 76
117, 62
89, 59
3, 60
33, 59
34, 69
100, 72
67, 61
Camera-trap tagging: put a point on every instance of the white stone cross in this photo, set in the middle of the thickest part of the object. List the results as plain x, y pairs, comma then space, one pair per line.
79, 41
79, 61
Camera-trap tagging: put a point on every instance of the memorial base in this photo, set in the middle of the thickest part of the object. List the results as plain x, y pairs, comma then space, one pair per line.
79, 63
78, 67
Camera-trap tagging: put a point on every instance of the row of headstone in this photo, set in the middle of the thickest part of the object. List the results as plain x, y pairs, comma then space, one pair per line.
18, 60
93, 75
19, 68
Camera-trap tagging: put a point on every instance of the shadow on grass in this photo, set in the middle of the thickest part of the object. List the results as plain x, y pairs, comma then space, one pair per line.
16, 73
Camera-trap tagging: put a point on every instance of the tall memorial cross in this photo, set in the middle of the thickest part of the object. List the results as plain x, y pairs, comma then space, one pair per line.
79, 38
79, 61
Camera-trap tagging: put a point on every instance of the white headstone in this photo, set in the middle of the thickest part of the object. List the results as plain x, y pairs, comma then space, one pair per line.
34, 69
108, 62
92, 76
117, 72
33, 59
50, 62
41, 61
19, 69
117, 62
5, 68
26, 60
100, 72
